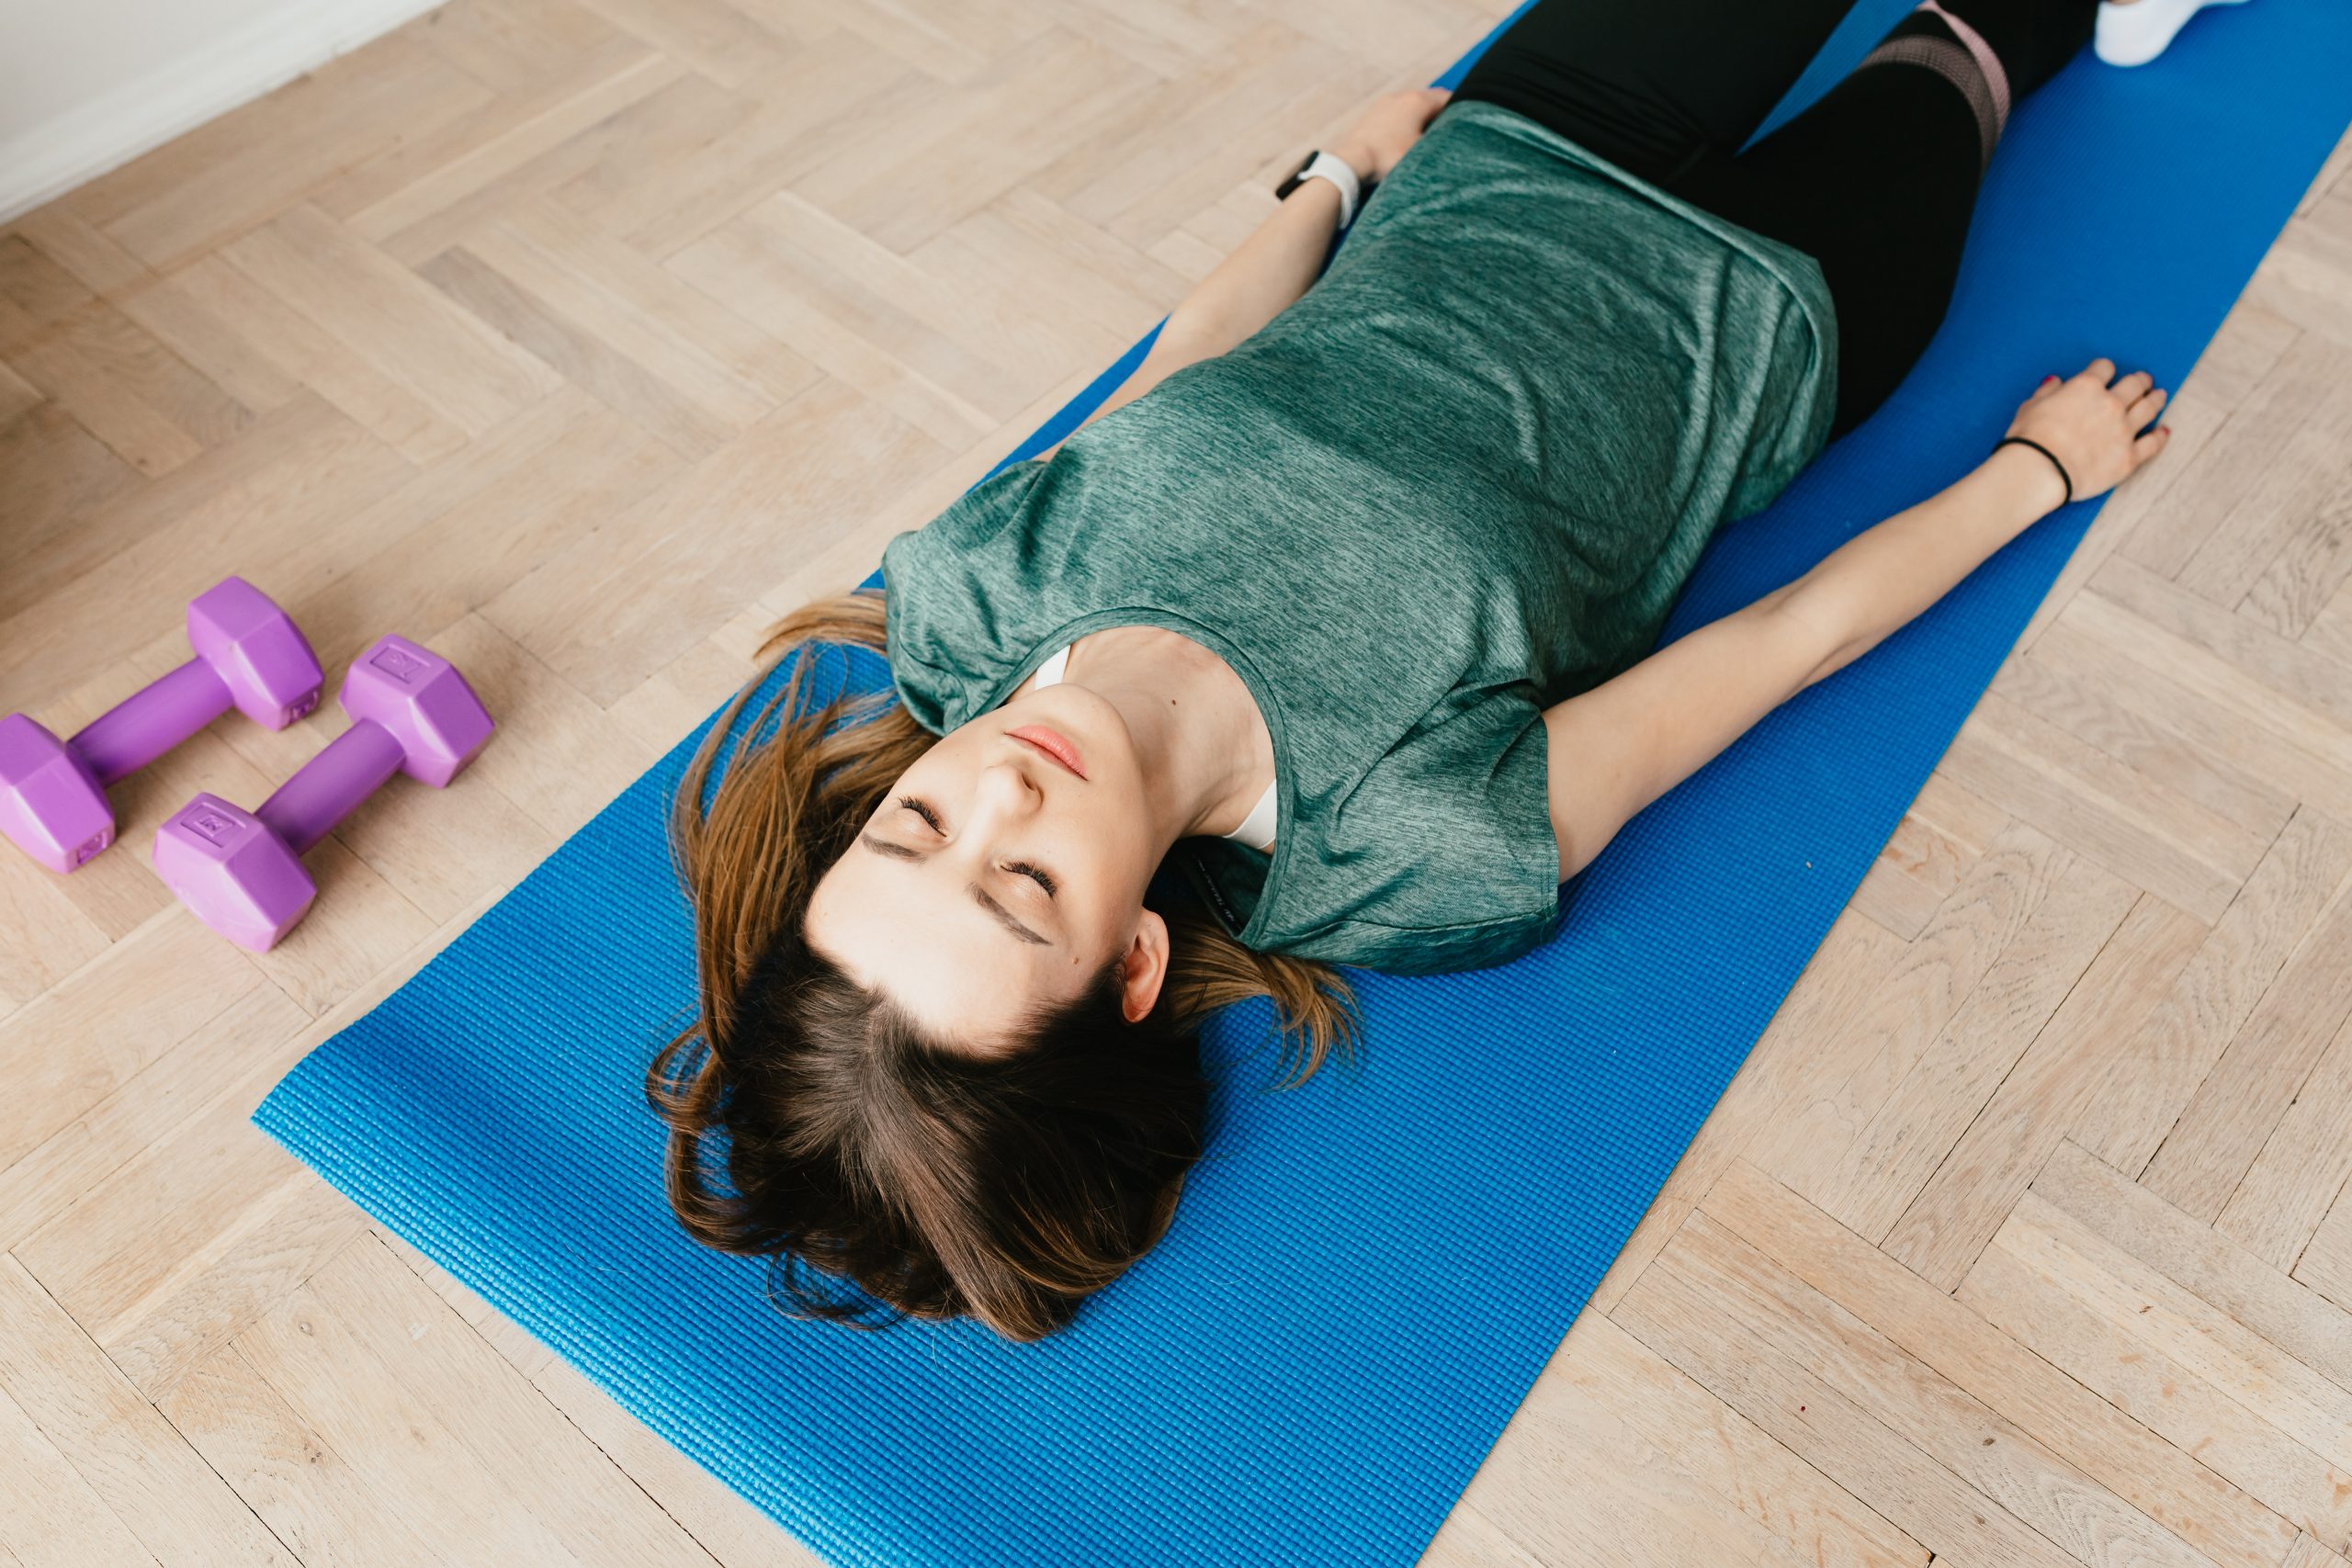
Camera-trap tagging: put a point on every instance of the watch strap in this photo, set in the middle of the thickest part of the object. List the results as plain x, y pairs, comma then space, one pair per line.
1322, 165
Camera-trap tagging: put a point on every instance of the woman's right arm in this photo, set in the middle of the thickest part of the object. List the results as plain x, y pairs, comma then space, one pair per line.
1284, 256
1614, 749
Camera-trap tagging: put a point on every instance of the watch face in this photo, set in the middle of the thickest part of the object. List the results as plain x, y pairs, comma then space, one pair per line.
1291, 184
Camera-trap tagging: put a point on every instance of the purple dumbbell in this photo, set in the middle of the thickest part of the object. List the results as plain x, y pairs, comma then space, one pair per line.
249, 656
240, 871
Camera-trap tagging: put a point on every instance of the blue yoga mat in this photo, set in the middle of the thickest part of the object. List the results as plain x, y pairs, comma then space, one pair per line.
1366, 1274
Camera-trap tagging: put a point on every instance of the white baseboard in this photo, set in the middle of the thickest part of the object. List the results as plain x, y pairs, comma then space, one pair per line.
46, 161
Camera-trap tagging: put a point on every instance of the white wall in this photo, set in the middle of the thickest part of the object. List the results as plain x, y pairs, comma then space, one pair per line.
86, 84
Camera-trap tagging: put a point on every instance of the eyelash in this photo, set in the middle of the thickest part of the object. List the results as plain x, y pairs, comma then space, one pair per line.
1036, 873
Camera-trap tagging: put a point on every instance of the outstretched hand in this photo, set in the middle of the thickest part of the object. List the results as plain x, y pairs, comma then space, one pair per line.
1388, 129
2093, 427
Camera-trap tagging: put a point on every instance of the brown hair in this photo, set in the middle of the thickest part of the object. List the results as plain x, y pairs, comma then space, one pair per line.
939, 1181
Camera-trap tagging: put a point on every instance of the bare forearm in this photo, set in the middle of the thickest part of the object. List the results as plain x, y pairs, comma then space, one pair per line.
1888, 574
1268, 271
1278, 263
1250, 287
1614, 749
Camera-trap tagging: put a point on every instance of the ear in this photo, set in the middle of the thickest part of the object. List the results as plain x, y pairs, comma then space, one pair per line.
1144, 967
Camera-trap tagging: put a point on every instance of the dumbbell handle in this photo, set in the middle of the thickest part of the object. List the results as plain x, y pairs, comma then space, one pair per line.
150, 721
325, 789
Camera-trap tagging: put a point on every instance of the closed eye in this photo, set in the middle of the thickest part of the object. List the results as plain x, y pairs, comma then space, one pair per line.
1036, 873
996, 911
1019, 868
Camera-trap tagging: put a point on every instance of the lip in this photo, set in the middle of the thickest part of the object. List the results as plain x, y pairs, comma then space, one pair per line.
1053, 745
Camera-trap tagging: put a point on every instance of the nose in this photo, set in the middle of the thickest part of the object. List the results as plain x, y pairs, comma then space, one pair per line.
1006, 789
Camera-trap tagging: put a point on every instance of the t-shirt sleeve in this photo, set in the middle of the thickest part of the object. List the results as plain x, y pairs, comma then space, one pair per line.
947, 640
1443, 857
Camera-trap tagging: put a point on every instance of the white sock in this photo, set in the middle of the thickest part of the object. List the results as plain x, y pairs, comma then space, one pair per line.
2137, 33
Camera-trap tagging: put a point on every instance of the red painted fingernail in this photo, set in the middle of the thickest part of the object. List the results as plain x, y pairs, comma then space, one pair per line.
2047, 380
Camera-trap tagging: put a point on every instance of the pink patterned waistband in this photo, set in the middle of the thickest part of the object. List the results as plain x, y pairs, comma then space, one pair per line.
1989, 63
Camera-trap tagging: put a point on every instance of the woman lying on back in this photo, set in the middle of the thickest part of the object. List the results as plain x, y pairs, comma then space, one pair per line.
1346, 604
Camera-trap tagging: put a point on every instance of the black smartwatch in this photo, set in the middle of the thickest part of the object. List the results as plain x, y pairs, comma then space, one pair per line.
1322, 166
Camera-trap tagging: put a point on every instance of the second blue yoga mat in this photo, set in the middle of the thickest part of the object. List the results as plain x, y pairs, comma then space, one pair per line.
1366, 1274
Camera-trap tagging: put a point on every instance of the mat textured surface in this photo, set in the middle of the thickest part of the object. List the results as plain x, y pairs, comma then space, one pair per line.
1366, 1274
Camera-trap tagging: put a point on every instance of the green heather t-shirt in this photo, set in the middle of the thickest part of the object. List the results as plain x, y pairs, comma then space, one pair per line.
1461, 478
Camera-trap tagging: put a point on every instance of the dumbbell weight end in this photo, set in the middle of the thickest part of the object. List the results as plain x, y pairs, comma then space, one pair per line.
52, 806
233, 871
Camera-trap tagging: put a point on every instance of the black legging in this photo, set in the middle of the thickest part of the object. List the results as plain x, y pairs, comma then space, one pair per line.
1877, 180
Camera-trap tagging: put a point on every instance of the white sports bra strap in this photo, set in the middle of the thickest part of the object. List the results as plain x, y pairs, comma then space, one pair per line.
1257, 829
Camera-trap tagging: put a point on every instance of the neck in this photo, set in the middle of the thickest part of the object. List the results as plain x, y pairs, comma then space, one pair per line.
1205, 753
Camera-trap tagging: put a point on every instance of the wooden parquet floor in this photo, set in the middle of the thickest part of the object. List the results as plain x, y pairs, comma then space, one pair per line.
580, 338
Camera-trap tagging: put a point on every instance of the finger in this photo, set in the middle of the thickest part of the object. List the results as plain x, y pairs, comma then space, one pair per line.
2148, 445
2049, 385
2131, 385
2145, 408
2102, 369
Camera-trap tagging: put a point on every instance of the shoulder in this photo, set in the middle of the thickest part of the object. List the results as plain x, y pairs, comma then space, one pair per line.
985, 508
944, 588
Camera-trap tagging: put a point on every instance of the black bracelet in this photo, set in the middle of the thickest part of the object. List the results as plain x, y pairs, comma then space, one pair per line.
2046, 452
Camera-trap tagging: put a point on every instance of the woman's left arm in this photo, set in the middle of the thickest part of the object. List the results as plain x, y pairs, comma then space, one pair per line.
1616, 748
1284, 256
